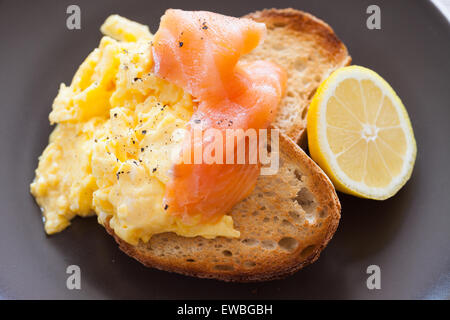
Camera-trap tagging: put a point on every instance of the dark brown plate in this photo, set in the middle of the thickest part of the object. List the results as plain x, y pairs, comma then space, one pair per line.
407, 236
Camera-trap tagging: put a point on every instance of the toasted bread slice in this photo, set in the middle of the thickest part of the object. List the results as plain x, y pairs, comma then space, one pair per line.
309, 50
284, 224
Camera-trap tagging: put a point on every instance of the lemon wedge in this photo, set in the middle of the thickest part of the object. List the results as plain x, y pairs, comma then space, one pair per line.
360, 134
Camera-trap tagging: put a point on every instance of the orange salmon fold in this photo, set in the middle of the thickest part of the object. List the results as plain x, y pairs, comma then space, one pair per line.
199, 51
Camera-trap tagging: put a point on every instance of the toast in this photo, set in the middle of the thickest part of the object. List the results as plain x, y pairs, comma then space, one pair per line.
309, 50
284, 224
290, 217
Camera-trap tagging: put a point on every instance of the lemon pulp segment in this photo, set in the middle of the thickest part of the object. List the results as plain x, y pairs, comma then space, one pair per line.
359, 132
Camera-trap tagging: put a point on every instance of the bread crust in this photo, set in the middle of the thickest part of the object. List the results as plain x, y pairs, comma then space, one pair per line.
304, 22
297, 24
272, 266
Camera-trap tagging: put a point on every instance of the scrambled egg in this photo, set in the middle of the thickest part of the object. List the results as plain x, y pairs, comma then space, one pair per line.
110, 152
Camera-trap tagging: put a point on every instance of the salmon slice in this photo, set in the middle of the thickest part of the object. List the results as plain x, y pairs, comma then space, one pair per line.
199, 51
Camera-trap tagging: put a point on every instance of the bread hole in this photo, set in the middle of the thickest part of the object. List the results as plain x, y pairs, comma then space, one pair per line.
250, 242
224, 267
298, 175
190, 260
294, 215
292, 118
288, 243
249, 264
323, 213
279, 24
269, 149
311, 94
177, 247
227, 253
286, 224
266, 219
307, 251
275, 219
268, 244
263, 208
255, 213
304, 113
306, 200
299, 65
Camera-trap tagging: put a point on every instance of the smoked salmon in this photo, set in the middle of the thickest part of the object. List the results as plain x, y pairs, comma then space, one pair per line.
199, 52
